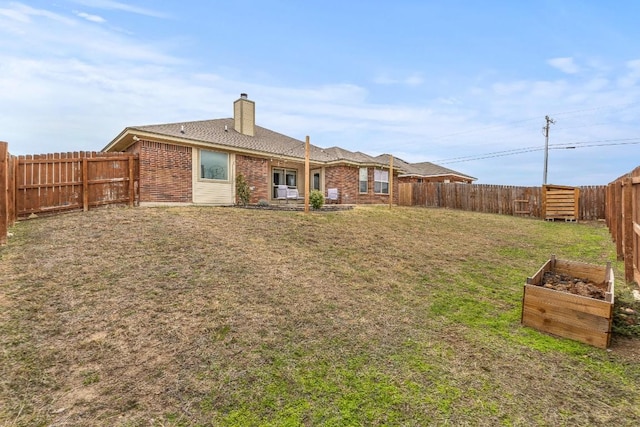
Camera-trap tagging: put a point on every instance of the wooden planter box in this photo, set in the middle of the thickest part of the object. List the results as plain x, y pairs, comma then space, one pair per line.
567, 315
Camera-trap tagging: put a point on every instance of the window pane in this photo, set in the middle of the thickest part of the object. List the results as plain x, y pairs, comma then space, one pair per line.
364, 177
381, 181
363, 174
278, 176
291, 178
214, 165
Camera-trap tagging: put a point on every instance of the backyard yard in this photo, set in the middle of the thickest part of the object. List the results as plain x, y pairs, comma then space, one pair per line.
201, 316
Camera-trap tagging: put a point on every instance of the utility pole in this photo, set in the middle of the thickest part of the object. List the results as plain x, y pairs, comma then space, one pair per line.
550, 121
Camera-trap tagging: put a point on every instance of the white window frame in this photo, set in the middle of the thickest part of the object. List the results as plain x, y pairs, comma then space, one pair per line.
201, 170
290, 177
380, 178
365, 181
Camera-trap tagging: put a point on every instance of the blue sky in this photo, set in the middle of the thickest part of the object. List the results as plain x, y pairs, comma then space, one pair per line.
422, 80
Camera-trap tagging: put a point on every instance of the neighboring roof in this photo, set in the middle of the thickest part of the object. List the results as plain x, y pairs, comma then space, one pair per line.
340, 154
423, 169
220, 133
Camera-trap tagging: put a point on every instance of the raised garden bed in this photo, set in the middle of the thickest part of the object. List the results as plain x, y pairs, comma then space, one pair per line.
571, 300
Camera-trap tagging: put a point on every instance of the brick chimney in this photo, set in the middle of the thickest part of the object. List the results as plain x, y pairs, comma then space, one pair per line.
244, 115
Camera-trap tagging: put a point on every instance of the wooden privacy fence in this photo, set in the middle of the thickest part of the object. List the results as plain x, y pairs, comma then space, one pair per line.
498, 199
48, 183
623, 220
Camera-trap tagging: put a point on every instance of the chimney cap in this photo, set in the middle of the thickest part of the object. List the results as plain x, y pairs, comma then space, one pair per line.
243, 95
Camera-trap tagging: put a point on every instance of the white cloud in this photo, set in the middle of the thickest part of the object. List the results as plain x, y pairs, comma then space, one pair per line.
115, 5
632, 76
566, 65
91, 18
23, 14
43, 34
451, 100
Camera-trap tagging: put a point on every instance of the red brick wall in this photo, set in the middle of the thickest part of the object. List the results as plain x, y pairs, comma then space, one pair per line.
165, 172
347, 180
256, 173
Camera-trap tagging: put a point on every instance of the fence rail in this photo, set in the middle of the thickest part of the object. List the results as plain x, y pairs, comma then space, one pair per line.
499, 199
48, 183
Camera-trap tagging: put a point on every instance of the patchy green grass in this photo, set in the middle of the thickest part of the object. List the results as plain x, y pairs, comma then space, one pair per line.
231, 317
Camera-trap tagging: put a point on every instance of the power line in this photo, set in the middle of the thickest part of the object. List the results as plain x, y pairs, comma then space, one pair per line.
571, 113
562, 146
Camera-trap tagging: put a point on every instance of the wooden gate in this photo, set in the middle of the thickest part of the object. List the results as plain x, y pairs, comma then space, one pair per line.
69, 181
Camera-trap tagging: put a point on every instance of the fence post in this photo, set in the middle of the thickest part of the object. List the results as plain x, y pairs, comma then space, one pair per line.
627, 227
617, 218
85, 184
4, 192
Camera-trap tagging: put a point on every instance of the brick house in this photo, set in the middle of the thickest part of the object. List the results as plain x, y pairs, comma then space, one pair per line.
426, 172
198, 162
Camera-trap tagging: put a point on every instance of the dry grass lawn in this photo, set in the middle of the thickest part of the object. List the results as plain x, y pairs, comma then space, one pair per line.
227, 316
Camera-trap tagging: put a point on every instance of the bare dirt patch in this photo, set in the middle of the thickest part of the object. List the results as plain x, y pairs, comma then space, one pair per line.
574, 285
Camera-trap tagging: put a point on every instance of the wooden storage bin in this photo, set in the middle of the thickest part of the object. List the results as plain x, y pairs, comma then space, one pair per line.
567, 315
560, 202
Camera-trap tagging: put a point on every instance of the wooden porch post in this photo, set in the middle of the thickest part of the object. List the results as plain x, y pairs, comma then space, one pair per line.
306, 176
390, 181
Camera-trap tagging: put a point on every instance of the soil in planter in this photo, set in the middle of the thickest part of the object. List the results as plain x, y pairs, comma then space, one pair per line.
573, 285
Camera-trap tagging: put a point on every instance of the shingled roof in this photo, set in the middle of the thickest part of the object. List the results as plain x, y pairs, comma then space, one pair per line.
422, 169
222, 134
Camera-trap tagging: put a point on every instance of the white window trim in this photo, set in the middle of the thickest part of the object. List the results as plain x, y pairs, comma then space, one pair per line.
366, 180
200, 178
380, 173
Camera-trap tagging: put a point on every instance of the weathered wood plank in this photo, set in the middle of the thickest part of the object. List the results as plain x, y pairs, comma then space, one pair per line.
543, 297
556, 325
